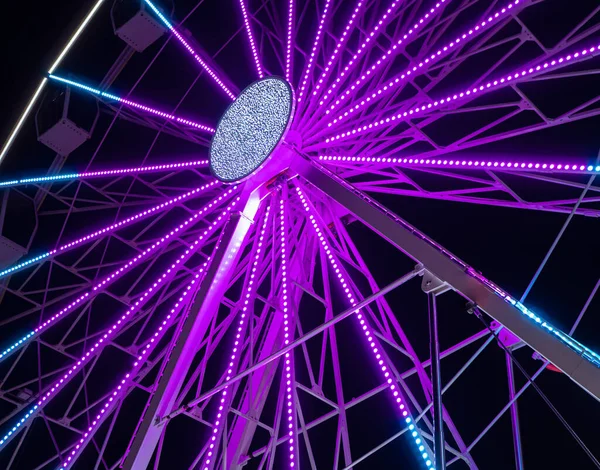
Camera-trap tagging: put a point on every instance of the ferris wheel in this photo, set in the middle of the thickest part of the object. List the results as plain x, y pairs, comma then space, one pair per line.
223, 283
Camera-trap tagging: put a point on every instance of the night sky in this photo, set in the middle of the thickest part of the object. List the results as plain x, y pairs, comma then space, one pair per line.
506, 245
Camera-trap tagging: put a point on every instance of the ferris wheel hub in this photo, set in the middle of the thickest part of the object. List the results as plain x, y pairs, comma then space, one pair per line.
251, 130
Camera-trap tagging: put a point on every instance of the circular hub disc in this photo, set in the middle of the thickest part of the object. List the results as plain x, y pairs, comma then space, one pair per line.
250, 129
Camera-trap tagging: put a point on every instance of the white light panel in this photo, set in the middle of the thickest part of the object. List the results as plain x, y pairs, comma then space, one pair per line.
250, 129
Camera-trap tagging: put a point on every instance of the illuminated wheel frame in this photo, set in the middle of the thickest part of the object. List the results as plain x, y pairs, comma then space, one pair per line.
222, 315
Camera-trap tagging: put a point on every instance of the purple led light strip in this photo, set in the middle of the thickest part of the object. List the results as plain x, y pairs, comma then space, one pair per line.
371, 340
414, 67
313, 52
116, 274
581, 349
338, 47
371, 36
251, 39
116, 327
577, 168
189, 48
288, 365
583, 54
127, 380
289, 47
115, 172
109, 228
133, 104
221, 415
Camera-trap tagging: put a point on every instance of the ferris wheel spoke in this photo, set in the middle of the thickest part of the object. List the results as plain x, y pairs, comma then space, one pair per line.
114, 398
135, 105
394, 50
245, 314
420, 65
290, 43
116, 274
161, 168
191, 50
537, 68
251, 41
316, 47
482, 177
52, 390
377, 351
346, 32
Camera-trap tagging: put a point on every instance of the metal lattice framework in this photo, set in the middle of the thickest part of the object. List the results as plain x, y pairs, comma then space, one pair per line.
166, 319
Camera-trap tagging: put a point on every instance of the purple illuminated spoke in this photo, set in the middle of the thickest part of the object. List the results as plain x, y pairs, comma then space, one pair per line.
369, 41
118, 273
371, 340
253, 47
504, 165
237, 345
104, 173
415, 68
110, 228
289, 52
470, 93
311, 60
135, 105
127, 381
338, 47
191, 50
166, 276
290, 418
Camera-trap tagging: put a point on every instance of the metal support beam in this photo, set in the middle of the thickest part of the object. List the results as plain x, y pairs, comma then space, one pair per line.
514, 415
436, 382
449, 269
206, 302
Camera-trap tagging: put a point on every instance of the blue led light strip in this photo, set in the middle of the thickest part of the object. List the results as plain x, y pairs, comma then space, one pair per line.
101, 173
133, 104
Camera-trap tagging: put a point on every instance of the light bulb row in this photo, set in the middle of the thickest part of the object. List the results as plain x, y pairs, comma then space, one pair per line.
137, 365
94, 174
345, 36
290, 422
369, 336
289, 50
133, 104
363, 47
110, 228
113, 276
313, 52
421, 66
236, 350
251, 39
116, 327
584, 351
189, 48
473, 164
582, 54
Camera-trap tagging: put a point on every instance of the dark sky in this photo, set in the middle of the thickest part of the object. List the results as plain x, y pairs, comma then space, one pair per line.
504, 244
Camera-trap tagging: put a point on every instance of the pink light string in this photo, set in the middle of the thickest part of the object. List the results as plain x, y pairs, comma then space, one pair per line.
515, 77
139, 304
372, 342
345, 36
253, 47
313, 52
387, 15
128, 378
108, 280
290, 422
422, 66
236, 350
